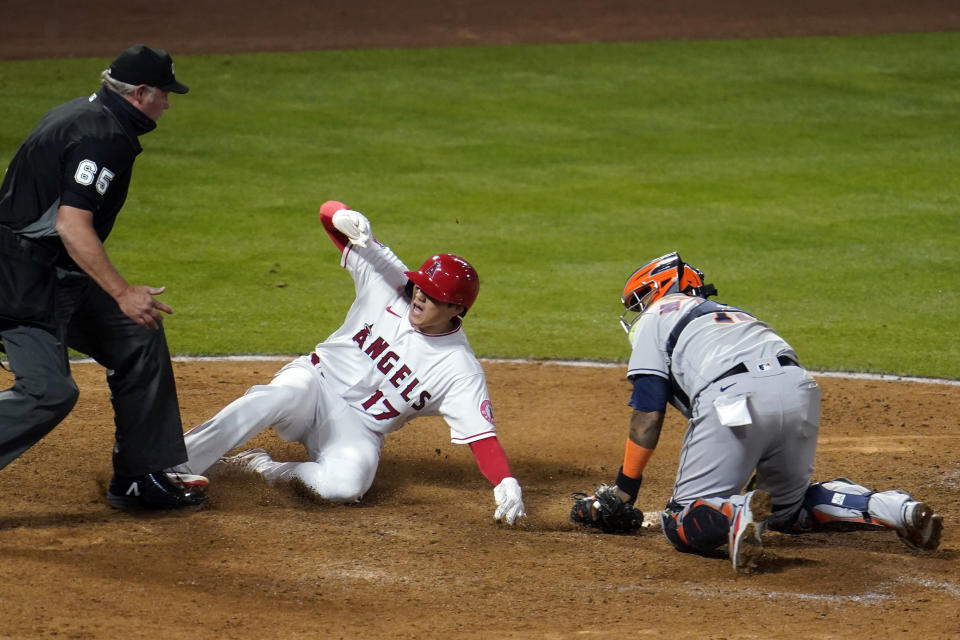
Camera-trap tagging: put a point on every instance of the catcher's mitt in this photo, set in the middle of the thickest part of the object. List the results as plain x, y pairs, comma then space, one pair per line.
605, 510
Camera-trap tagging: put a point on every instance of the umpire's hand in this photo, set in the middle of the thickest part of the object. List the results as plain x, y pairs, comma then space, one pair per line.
137, 303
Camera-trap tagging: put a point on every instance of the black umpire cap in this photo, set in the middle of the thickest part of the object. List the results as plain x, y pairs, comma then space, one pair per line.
140, 64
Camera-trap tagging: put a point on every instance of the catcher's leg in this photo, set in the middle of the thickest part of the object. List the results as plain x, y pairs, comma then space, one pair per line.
708, 523
698, 527
841, 504
716, 460
786, 466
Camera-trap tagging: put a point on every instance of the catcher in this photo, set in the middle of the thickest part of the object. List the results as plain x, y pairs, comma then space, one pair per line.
752, 409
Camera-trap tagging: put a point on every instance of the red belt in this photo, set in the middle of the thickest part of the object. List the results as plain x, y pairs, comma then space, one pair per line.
314, 359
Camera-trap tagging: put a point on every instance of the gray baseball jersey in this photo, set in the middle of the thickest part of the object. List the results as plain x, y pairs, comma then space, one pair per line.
714, 339
749, 405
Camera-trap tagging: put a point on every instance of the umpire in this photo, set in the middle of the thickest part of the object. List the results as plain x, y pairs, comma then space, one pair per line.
58, 288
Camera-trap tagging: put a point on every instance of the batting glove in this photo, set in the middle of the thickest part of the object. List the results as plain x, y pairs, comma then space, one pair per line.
354, 225
509, 501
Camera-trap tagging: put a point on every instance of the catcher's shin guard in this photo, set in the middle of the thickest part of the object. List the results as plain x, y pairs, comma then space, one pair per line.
838, 504
841, 504
698, 528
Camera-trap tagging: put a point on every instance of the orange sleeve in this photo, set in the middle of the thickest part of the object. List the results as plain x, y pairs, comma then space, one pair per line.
635, 458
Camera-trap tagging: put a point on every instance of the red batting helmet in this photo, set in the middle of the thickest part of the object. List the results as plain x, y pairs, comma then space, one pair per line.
447, 278
667, 274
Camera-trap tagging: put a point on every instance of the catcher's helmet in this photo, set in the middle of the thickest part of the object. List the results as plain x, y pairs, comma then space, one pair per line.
667, 274
447, 278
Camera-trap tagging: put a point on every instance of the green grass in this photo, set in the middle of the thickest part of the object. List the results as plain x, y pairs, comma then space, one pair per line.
813, 180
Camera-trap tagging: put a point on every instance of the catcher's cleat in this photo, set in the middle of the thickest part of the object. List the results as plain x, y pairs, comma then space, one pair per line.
923, 527
247, 459
153, 491
746, 547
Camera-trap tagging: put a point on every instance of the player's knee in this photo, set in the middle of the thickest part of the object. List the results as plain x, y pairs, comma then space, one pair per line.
671, 531
344, 489
334, 481
698, 528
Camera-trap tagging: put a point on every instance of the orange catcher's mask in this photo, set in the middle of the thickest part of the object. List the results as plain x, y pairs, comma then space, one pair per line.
662, 276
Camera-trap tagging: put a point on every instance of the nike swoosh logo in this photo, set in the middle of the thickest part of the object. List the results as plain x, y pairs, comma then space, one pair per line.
392, 312
722, 389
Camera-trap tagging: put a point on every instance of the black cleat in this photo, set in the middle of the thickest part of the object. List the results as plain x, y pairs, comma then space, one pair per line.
153, 491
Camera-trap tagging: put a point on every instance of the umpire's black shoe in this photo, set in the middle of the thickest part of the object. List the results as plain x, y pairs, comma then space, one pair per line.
154, 491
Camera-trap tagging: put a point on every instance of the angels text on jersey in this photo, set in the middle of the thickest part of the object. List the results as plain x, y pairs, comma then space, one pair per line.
398, 375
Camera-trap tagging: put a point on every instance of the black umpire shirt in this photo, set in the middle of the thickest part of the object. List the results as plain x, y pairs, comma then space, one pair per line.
81, 155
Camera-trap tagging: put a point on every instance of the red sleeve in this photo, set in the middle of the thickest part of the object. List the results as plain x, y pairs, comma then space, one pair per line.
326, 218
491, 458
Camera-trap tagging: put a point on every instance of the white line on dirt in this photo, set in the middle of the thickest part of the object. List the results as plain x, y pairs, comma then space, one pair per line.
563, 363
582, 363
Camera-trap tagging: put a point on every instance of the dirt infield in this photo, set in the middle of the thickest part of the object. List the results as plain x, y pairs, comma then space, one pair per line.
422, 557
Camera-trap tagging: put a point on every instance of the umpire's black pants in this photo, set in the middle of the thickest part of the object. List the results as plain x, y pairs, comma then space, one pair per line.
149, 434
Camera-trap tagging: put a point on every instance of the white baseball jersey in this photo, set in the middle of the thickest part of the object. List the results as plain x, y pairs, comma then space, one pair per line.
391, 373
710, 345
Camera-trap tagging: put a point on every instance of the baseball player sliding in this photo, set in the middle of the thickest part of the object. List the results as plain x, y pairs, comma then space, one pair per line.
400, 353
751, 407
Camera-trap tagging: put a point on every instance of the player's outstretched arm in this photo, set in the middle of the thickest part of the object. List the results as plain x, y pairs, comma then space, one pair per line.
610, 507
493, 464
645, 427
